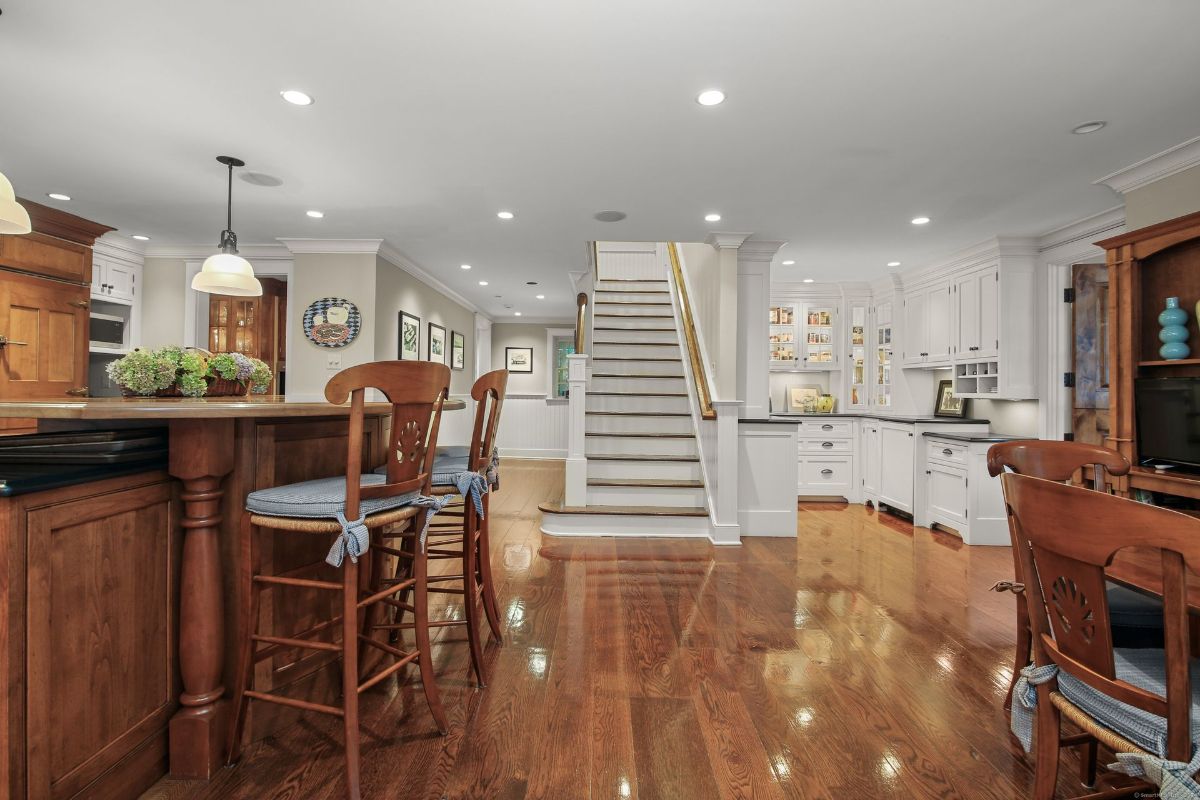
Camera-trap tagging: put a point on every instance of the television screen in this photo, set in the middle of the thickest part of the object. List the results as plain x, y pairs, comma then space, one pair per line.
1168, 420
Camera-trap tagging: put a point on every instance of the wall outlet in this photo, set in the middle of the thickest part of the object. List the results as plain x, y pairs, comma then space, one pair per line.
333, 362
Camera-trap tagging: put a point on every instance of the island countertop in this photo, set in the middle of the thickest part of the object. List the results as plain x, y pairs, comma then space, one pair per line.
167, 408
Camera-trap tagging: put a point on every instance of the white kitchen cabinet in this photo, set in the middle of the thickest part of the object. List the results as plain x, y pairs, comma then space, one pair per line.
896, 465
871, 459
994, 326
927, 326
960, 495
946, 498
826, 451
114, 280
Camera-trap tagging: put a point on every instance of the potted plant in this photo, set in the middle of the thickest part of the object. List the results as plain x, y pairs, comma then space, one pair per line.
144, 373
174, 371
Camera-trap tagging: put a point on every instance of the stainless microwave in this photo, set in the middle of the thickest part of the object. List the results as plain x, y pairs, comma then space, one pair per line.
107, 330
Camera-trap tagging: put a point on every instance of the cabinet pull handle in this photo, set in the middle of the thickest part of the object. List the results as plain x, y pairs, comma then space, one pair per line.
946, 451
827, 445
924, 354
80, 303
79, 391
4, 340
972, 348
826, 427
826, 472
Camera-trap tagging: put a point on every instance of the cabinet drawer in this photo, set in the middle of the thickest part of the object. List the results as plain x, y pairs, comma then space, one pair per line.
813, 430
946, 452
826, 475
815, 446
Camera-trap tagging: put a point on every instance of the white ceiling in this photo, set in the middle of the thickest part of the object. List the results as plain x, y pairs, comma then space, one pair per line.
844, 120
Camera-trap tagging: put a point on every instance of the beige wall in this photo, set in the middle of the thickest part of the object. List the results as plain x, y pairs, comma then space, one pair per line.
507, 334
164, 283
1170, 197
396, 291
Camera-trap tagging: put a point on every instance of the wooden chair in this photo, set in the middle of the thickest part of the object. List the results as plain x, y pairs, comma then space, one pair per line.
459, 532
1069, 615
1060, 461
416, 391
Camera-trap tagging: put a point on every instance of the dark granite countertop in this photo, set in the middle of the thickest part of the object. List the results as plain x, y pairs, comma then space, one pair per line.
796, 418
978, 437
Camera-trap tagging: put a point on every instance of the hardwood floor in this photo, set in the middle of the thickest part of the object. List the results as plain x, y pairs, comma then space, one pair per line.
863, 659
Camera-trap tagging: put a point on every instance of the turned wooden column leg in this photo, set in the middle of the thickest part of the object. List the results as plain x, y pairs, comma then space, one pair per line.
201, 454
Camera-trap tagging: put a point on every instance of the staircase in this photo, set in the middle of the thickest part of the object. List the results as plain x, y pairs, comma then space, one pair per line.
643, 463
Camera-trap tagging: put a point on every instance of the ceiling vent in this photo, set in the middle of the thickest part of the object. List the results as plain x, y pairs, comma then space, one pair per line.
610, 216
261, 179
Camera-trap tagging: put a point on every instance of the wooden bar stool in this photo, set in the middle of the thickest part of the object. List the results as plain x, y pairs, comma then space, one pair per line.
460, 531
354, 509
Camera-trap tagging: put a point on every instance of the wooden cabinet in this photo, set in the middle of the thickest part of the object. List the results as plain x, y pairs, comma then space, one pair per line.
89, 644
45, 324
927, 327
255, 326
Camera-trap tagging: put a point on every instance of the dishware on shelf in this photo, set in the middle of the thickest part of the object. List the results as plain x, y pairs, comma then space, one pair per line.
1174, 333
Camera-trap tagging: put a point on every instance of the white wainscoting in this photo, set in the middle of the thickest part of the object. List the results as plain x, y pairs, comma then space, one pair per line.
532, 427
630, 261
767, 477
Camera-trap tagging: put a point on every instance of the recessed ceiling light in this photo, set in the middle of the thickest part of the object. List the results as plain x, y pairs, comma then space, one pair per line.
315, 214
296, 97
516, 313
58, 196
465, 266
483, 283
893, 263
140, 237
788, 263
540, 296
505, 214
808, 280
711, 97
920, 221
712, 217
1089, 127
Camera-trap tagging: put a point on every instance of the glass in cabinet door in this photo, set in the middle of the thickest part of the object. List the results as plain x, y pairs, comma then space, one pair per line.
858, 357
883, 365
783, 334
818, 337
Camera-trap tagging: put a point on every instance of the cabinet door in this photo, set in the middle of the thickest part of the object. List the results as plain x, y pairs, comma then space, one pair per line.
896, 464
966, 302
820, 346
938, 312
783, 345
99, 280
947, 492
916, 328
871, 459
119, 278
46, 326
989, 312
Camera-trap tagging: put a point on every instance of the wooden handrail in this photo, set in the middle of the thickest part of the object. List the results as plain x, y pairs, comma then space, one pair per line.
580, 318
699, 374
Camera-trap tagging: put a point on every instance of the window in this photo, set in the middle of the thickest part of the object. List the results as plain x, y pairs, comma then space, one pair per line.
560, 343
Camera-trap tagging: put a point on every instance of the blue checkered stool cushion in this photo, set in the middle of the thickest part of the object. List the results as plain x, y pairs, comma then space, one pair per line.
322, 498
450, 462
1144, 668
1136, 619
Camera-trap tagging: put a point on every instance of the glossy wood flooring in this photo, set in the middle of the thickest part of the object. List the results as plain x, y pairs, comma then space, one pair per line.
863, 659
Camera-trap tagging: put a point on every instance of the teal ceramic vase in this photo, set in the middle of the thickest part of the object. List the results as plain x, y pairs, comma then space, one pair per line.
1174, 333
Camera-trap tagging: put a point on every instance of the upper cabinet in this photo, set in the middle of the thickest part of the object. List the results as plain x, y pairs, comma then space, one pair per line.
927, 327
804, 336
977, 313
114, 280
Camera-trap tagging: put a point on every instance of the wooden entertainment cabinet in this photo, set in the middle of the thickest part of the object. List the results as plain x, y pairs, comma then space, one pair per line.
1145, 267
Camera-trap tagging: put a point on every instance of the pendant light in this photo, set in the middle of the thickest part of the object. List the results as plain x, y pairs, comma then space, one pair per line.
14, 219
226, 272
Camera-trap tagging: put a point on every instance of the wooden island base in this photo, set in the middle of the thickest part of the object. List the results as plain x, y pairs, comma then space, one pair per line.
117, 640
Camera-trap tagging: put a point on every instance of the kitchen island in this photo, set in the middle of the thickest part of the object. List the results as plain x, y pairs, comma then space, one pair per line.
117, 637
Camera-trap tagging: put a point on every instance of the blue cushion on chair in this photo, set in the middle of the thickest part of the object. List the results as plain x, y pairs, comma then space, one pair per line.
453, 451
1143, 668
325, 497
1136, 619
450, 462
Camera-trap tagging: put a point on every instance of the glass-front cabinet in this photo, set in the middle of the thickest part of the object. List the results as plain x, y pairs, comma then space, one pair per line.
803, 336
857, 390
882, 389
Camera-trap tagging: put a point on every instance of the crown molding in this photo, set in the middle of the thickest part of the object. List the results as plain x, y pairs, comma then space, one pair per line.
114, 245
998, 247
755, 250
199, 252
1106, 223
566, 321
397, 259
723, 240
328, 246
1155, 168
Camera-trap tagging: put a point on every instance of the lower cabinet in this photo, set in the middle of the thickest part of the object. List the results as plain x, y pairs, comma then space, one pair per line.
960, 494
89, 579
896, 465
826, 451
946, 498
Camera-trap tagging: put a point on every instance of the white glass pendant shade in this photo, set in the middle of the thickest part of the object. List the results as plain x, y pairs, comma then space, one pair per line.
14, 219
227, 273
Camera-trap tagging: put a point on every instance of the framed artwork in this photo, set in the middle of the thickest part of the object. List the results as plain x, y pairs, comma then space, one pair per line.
458, 350
947, 404
518, 359
409, 348
331, 322
803, 397
437, 343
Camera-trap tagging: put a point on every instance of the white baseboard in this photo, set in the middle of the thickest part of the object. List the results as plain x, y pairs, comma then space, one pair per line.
725, 534
533, 454
767, 523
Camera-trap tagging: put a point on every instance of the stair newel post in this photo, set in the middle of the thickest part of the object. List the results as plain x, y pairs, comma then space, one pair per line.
575, 491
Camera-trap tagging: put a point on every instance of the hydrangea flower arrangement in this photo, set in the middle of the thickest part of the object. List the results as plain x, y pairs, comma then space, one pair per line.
189, 372
242, 369
143, 372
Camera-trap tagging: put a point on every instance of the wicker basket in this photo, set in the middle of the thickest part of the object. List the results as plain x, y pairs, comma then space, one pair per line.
220, 387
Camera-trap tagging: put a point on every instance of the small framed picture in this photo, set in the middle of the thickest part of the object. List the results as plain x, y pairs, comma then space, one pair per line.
947, 404
803, 398
458, 350
437, 343
409, 348
518, 359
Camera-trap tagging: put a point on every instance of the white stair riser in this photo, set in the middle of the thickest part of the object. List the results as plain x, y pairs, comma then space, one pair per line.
667, 405
606, 307
657, 286
664, 385
634, 322
671, 497
656, 424
599, 298
634, 526
630, 470
600, 365
626, 334
625, 445
670, 350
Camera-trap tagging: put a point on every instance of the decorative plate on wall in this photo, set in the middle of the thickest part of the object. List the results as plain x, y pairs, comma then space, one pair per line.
332, 322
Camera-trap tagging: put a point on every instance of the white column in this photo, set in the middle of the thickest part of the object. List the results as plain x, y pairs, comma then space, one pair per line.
753, 308
483, 344
575, 491
723, 350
